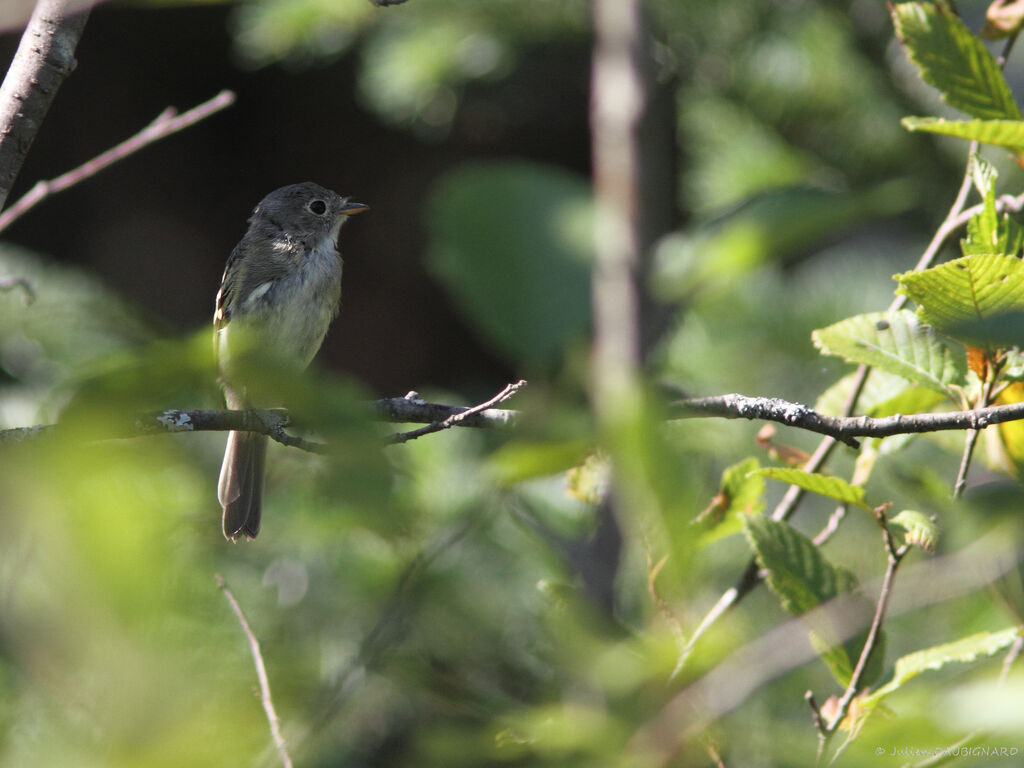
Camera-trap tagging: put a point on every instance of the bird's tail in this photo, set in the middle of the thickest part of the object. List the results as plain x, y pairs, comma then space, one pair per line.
240, 489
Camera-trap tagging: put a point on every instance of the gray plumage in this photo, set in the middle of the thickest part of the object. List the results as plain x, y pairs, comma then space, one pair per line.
280, 291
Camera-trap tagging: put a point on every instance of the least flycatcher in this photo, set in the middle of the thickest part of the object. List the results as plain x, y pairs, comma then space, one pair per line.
280, 291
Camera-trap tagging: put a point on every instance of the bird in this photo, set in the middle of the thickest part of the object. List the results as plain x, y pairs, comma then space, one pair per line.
280, 291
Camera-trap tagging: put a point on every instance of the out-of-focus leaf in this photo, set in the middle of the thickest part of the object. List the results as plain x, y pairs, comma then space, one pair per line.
590, 480
802, 579
953, 60
824, 485
770, 225
519, 461
896, 342
975, 299
512, 244
921, 530
961, 651
741, 492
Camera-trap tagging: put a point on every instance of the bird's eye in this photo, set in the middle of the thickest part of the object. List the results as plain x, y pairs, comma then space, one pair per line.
319, 207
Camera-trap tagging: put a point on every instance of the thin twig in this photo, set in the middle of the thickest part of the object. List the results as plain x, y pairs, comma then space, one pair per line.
895, 556
457, 418
165, 124
261, 674
971, 439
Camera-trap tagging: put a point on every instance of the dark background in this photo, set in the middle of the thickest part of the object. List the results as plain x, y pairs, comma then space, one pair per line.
158, 226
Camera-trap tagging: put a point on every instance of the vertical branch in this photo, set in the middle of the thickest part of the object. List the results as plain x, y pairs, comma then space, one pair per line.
617, 107
45, 56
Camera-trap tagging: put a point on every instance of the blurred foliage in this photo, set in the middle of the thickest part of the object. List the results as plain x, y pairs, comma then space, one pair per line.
472, 598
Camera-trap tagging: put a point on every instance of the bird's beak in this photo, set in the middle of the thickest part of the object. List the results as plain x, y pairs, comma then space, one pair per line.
350, 209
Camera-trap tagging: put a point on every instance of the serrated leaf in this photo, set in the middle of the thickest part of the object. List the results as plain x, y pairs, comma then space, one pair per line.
824, 485
961, 651
797, 571
972, 299
741, 492
987, 231
950, 58
896, 342
999, 133
921, 531
802, 579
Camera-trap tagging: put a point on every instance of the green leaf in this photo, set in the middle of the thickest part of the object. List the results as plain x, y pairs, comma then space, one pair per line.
1000, 133
797, 571
833, 487
961, 651
883, 394
896, 342
518, 461
953, 60
921, 531
512, 244
802, 579
969, 299
987, 232
741, 492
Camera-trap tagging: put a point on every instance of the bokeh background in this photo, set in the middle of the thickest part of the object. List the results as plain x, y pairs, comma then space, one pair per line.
461, 600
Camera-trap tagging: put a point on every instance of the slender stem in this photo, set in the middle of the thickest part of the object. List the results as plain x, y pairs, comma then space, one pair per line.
261, 674
165, 124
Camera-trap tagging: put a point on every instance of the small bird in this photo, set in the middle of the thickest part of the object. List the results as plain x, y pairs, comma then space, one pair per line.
280, 291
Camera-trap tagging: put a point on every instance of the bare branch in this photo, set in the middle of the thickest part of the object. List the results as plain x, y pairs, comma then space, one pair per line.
261, 674
273, 422
165, 124
456, 418
842, 428
45, 57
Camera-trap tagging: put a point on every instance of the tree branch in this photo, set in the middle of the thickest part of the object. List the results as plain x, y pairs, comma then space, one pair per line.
165, 124
437, 416
45, 57
272, 422
261, 674
842, 428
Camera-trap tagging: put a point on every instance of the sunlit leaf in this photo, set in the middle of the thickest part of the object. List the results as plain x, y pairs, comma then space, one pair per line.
987, 231
976, 299
883, 394
896, 342
824, 485
741, 492
961, 651
1000, 133
953, 60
